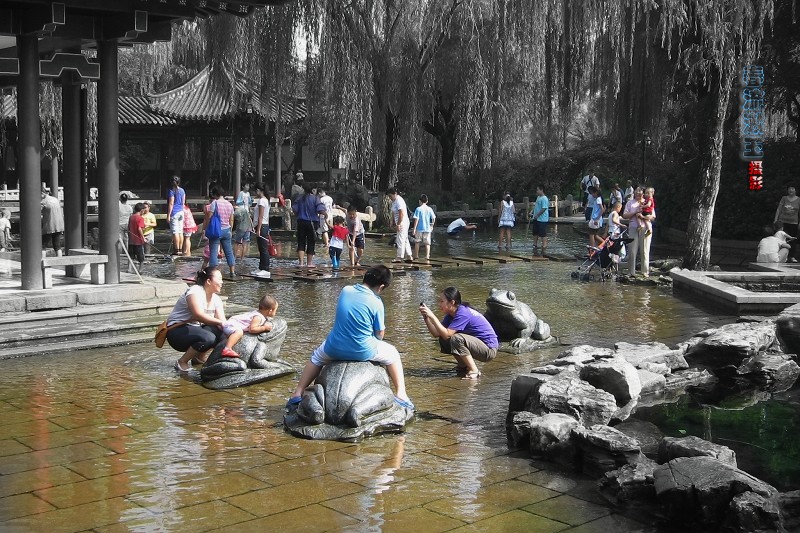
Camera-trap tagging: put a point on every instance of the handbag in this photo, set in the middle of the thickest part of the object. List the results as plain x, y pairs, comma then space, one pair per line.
161, 332
594, 223
273, 250
214, 227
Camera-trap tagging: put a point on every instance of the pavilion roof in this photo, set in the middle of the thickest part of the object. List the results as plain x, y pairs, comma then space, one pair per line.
200, 100
197, 100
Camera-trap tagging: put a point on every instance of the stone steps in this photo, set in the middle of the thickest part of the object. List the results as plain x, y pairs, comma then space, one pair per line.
30, 339
80, 344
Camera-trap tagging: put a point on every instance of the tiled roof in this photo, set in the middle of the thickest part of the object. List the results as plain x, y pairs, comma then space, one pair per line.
135, 111
196, 100
199, 99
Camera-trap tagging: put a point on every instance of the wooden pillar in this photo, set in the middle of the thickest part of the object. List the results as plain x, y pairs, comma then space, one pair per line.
237, 166
260, 162
108, 157
73, 158
54, 176
278, 184
29, 164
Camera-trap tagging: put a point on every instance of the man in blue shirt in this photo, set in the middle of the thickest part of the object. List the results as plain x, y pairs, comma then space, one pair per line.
424, 219
357, 335
540, 216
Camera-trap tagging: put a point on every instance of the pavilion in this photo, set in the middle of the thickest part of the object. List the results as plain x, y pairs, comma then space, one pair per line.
40, 39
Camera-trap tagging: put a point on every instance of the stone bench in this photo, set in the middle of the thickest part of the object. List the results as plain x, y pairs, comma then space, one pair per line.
77, 258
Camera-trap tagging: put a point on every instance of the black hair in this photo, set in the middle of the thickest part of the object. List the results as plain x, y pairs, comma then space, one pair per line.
123, 198
176, 181
540, 187
591, 189
204, 275
423, 198
260, 187
267, 303
391, 190
217, 191
352, 208
337, 220
508, 198
138, 207
451, 294
377, 276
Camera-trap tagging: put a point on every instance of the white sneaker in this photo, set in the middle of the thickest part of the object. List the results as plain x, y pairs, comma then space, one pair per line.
263, 274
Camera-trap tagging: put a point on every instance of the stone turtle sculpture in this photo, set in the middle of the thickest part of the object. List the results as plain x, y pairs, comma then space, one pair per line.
258, 360
516, 325
350, 400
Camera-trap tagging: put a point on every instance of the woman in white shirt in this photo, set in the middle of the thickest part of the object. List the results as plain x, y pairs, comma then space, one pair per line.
196, 320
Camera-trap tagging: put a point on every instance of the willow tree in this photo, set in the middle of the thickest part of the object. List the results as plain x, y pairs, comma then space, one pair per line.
389, 45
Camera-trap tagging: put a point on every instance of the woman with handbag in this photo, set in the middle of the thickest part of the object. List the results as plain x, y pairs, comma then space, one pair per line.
218, 232
261, 229
195, 323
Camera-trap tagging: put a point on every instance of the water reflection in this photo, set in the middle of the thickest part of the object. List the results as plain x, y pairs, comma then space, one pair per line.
117, 430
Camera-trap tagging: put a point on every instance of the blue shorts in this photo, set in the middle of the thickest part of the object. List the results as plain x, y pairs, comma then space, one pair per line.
540, 228
241, 236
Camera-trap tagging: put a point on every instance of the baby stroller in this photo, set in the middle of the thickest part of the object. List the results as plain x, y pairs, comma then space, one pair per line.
605, 257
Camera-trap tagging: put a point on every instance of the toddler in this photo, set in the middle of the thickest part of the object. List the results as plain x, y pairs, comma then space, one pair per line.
189, 229
648, 206
339, 235
254, 322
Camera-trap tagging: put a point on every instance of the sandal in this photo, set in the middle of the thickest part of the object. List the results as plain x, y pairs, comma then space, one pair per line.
472, 375
406, 404
294, 400
177, 366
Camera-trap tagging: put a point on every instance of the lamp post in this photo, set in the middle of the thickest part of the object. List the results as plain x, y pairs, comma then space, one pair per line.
646, 140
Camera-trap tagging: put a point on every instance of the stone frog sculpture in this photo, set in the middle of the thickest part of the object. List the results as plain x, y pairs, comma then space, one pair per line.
258, 360
349, 401
516, 325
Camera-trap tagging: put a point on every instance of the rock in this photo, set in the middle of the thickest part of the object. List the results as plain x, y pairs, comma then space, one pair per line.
616, 376
651, 352
525, 391
655, 368
787, 329
674, 447
731, 343
776, 371
646, 434
752, 512
576, 360
574, 397
258, 360
585, 353
623, 412
547, 369
790, 510
550, 437
518, 430
651, 382
350, 400
702, 488
630, 483
602, 449
688, 378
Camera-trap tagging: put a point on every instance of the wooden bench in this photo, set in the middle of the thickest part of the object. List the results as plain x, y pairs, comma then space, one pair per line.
77, 257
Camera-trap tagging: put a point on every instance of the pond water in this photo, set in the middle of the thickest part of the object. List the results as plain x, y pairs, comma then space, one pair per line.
115, 440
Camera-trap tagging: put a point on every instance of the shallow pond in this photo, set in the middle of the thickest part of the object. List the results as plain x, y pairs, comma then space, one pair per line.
116, 441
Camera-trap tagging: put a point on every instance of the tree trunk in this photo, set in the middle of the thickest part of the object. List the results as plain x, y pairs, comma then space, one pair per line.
497, 86
391, 156
710, 139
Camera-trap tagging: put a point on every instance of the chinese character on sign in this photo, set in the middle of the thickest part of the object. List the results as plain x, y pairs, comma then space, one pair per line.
753, 123
755, 175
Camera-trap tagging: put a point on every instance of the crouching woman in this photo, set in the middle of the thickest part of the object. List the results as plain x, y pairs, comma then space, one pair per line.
463, 332
196, 320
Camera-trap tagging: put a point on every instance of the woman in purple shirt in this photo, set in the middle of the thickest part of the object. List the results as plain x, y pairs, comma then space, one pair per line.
463, 332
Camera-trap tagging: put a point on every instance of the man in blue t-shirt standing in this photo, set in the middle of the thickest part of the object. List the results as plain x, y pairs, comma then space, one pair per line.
357, 335
424, 219
540, 216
